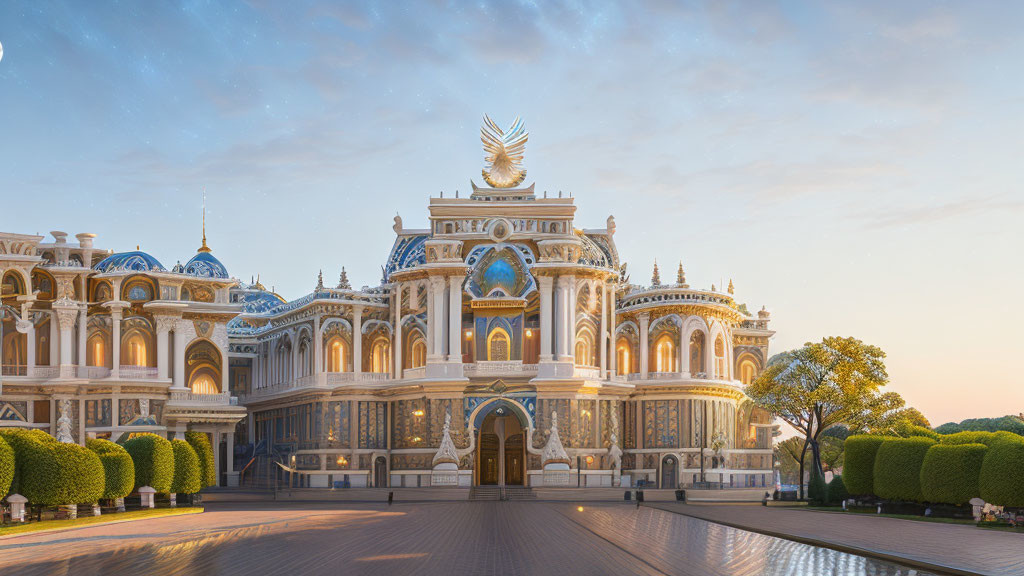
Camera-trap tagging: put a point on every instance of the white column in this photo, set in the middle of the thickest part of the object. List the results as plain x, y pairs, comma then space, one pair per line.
437, 295
67, 324
645, 321
163, 327
115, 343
455, 319
560, 323
216, 456
54, 340
83, 325
570, 336
603, 338
709, 356
30, 350
231, 450
357, 339
613, 363
318, 347
225, 371
684, 351
430, 320
179, 354
545, 283
397, 332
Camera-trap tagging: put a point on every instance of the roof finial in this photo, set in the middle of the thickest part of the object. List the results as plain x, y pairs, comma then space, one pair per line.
656, 277
680, 275
732, 290
320, 281
343, 280
204, 247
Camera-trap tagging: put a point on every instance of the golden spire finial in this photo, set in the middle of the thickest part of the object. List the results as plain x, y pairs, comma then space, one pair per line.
204, 247
680, 275
732, 290
656, 277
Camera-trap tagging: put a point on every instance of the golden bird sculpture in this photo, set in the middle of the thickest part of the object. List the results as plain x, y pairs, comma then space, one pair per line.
504, 153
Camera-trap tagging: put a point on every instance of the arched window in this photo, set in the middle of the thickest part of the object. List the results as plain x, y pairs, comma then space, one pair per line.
336, 354
12, 285
204, 384
418, 354
720, 371
664, 359
622, 358
97, 349
585, 349
748, 371
697, 353
133, 350
379, 356
498, 345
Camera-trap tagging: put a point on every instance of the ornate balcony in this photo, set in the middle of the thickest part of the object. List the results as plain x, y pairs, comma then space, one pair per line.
511, 367
137, 373
189, 397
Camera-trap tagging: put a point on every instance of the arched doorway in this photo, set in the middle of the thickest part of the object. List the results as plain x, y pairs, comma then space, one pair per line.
501, 448
380, 472
669, 472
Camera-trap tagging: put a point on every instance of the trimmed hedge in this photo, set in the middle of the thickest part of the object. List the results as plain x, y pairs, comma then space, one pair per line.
154, 461
911, 430
6, 467
859, 463
1002, 473
898, 468
817, 488
950, 473
837, 490
968, 437
187, 473
200, 442
51, 473
118, 467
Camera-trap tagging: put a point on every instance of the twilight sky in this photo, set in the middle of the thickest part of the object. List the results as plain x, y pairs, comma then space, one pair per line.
856, 167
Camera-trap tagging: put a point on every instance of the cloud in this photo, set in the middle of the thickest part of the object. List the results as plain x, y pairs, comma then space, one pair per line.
935, 212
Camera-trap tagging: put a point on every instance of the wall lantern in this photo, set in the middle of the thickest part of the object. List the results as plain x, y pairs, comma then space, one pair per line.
469, 334
342, 461
529, 333
418, 412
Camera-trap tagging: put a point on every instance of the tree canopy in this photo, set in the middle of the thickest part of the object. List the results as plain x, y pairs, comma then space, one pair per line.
1007, 423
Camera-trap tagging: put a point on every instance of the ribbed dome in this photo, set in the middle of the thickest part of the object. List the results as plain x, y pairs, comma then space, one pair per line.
205, 265
135, 261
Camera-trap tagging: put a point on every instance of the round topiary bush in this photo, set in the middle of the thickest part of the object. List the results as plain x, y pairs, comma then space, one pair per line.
837, 490
187, 474
154, 461
81, 478
950, 473
898, 468
859, 463
1002, 472
817, 488
35, 466
118, 468
906, 430
200, 442
6, 467
968, 437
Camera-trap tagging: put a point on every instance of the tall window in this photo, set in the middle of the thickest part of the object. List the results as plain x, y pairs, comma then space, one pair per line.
418, 354
135, 349
584, 349
697, 353
336, 355
664, 358
97, 350
622, 359
748, 371
498, 345
204, 385
720, 357
379, 356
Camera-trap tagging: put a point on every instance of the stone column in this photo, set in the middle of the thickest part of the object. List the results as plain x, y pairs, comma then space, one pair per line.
430, 320
437, 296
318, 348
603, 338
570, 336
357, 339
684, 351
66, 315
709, 357
455, 319
614, 360
179, 355
645, 320
397, 331
115, 342
164, 324
54, 339
83, 327
30, 349
230, 451
560, 322
545, 283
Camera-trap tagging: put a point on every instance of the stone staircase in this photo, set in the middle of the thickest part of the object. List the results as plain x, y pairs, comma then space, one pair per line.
495, 493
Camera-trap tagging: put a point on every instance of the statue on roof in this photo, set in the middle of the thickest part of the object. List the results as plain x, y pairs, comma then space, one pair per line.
343, 283
320, 281
656, 277
504, 153
731, 289
680, 275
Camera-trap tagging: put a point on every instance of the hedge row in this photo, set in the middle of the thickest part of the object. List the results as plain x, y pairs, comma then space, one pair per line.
187, 478
959, 467
200, 442
154, 461
6, 467
118, 468
49, 473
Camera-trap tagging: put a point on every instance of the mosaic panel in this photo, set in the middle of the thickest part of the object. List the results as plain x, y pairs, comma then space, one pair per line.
661, 423
97, 413
16, 411
373, 424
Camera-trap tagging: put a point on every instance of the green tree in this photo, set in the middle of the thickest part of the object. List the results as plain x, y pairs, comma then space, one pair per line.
822, 384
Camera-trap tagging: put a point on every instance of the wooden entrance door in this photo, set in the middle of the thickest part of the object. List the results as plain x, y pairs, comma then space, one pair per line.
668, 472
488, 465
514, 457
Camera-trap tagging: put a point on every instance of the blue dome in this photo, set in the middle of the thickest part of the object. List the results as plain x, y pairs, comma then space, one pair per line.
257, 301
500, 273
135, 261
205, 265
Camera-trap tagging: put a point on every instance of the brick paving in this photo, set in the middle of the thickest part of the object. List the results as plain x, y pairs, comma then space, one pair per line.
299, 538
959, 547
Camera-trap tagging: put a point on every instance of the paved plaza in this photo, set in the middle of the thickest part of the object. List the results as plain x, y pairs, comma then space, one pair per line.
424, 538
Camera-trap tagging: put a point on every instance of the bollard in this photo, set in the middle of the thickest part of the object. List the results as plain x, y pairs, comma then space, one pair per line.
17, 502
146, 497
391, 498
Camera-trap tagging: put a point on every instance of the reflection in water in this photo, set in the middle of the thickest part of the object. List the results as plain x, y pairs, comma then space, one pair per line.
441, 538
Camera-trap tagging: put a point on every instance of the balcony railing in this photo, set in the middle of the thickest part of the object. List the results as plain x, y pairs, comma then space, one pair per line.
189, 397
14, 370
588, 372
414, 373
497, 367
46, 372
334, 378
93, 372
137, 373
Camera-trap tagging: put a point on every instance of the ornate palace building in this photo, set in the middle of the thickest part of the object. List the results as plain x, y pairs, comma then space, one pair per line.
504, 345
